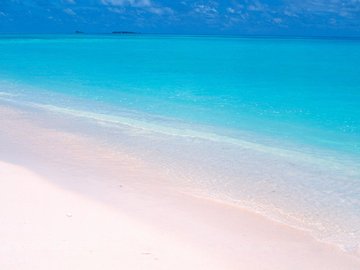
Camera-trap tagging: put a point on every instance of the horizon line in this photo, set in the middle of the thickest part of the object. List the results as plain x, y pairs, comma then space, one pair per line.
135, 33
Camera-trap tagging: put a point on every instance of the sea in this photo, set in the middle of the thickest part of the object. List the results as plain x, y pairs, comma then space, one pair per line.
271, 124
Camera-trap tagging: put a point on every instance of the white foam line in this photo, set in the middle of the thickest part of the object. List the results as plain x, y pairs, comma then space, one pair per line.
190, 133
6, 94
156, 128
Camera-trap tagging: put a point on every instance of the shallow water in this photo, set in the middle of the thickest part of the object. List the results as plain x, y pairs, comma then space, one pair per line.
271, 124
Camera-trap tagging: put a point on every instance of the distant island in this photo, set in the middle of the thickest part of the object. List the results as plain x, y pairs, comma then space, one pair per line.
124, 33
114, 32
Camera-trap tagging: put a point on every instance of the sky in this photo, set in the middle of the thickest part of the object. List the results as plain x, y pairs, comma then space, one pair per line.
235, 17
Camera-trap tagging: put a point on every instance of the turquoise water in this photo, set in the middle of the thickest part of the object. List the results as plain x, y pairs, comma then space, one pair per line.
289, 109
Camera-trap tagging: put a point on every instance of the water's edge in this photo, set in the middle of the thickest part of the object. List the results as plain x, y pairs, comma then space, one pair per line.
217, 181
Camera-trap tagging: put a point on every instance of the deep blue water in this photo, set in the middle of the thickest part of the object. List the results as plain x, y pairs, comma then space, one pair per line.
292, 97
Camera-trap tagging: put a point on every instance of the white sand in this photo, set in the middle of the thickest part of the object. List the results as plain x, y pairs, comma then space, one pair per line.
77, 212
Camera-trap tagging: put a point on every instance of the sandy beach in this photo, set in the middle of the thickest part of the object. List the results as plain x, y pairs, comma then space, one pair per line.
68, 201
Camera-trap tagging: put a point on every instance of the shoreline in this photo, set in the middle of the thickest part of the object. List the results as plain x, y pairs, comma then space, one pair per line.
68, 193
285, 190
